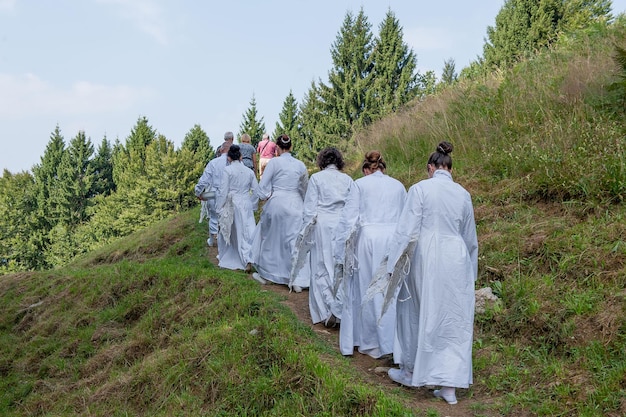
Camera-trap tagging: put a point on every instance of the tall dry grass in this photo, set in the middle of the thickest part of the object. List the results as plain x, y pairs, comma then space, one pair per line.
546, 127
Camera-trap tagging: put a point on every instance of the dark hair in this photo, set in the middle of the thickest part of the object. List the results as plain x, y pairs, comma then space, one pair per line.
374, 161
330, 156
234, 153
441, 157
283, 142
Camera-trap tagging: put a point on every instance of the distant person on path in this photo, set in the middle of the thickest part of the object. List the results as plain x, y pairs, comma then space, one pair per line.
283, 187
210, 181
371, 212
324, 201
235, 204
228, 137
266, 150
248, 153
436, 239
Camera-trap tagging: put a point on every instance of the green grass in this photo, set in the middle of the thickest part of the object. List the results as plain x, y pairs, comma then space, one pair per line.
143, 328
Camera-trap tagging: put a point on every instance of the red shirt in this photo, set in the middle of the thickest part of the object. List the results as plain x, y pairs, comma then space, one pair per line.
266, 149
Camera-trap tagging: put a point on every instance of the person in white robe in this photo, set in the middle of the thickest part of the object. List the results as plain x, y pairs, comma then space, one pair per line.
436, 240
370, 215
235, 206
323, 204
283, 187
209, 183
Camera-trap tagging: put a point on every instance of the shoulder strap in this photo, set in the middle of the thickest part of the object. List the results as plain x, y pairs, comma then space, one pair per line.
264, 146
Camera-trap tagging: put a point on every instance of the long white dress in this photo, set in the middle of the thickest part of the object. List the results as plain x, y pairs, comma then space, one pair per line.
371, 213
210, 181
283, 185
323, 204
236, 202
435, 308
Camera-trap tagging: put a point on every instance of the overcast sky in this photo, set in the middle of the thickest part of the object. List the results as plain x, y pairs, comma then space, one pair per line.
99, 65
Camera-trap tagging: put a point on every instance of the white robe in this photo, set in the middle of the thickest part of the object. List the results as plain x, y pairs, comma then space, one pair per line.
236, 202
323, 204
210, 181
371, 212
435, 308
283, 185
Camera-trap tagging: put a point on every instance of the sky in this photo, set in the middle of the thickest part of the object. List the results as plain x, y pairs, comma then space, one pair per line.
99, 65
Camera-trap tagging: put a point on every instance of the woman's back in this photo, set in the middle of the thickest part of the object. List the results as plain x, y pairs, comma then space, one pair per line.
284, 173
446, 205
381, 198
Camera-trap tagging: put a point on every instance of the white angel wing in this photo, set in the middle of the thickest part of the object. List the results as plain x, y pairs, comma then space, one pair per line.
388, 284
226, 218
304, 243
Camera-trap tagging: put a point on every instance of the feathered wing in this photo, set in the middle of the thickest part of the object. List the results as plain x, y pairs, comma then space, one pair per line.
304, 243
204, 211
388, 284
349, 262
226, 218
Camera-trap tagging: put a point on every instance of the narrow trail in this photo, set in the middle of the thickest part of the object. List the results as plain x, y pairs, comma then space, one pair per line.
374, 371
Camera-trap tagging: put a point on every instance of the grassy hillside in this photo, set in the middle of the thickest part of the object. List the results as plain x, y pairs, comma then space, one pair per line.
149, 326
541, 149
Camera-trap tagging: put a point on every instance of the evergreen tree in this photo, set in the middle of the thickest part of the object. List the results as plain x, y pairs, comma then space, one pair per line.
348, 95
74, 183
102, 167
70, 196
288, 119
395, 79
309, 116
199, 144
524, 27
129, 160
164, 187
579, 14
428, 82
45, 177
45, 174
20, 242
448, 75
251, 124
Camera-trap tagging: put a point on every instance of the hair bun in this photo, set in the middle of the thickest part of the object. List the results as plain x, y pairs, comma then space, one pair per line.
444, 148
373, 156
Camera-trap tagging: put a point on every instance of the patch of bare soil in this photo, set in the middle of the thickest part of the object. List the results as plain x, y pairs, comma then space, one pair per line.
374, 371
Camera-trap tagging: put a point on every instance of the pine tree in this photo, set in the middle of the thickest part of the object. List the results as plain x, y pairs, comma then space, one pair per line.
288, 119
579, 14
395, 79
251, 124
129, 159
347, 96
71, 199
45, 174
20, 248
310, 114
74, 182
448, 75
45, 177
524, 27
199, 144
102, 167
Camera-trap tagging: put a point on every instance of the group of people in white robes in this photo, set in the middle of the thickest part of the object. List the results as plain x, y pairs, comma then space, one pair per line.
394, 270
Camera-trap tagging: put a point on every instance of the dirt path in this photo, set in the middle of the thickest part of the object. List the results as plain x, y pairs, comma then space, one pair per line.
373, 370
